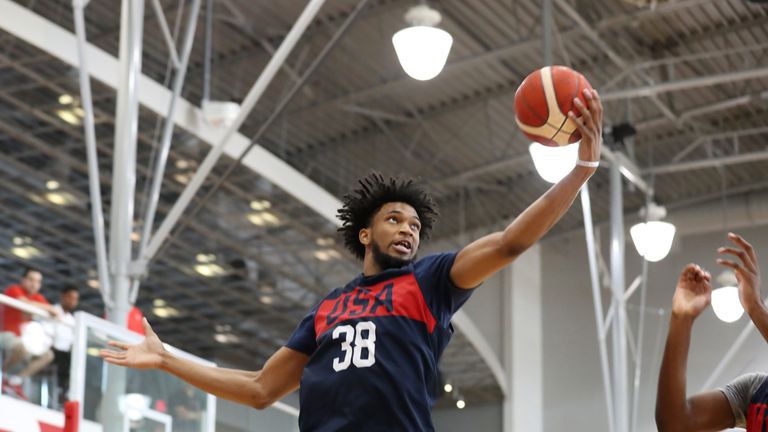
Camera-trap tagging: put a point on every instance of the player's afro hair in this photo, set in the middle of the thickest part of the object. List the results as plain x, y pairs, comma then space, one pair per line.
361, 204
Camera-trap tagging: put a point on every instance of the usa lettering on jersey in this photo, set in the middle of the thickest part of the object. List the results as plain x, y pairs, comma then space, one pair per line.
400, 297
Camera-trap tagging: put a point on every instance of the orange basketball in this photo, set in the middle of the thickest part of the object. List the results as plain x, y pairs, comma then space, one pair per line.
542, 103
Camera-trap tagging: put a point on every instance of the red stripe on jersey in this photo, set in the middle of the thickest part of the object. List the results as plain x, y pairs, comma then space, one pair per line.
400, 296
756, 416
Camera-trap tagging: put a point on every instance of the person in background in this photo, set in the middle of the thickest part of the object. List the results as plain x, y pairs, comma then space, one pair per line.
27, 291
63, 333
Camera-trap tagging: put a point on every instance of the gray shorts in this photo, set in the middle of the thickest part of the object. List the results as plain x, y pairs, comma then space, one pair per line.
7, 341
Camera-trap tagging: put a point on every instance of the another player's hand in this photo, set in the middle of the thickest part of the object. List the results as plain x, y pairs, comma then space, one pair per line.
145, 355
747, 270
589, 122
693, 293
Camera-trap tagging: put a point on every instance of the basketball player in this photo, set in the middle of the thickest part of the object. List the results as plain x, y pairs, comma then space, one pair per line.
366, 356
743, 402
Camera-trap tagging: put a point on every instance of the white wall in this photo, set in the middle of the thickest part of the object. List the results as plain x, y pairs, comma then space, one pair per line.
573, 393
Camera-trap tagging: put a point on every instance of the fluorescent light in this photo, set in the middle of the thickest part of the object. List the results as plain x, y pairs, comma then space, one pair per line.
325, 241
158, 302
226, 338
653, 239
60, 198
263, 218
182, 178
553, 163
210, 270
726, 304
205, 257
68, 116
66, 99
165, 312
52, 185
422, 48
260, 205
26, 252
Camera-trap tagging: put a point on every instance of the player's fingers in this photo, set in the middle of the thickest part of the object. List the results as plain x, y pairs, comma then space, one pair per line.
729, 263
739, 240
116, 344
114, 355
114, 361
742, 255
586, 115
596, 102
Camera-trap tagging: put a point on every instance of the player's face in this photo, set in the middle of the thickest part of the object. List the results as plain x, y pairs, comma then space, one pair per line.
395, 232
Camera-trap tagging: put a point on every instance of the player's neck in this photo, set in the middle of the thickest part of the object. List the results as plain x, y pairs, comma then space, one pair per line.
370, 268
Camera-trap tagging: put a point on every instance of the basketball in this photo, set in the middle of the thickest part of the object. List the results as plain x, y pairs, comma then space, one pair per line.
542, 103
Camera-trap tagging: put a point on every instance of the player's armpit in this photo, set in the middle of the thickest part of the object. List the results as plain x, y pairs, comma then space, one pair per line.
707, 411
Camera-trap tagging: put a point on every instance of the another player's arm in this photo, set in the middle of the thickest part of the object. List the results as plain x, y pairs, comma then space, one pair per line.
674, 412
280, 375
748, 275
487, 255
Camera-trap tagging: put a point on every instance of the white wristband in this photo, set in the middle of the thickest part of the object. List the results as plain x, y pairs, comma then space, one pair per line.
588, 164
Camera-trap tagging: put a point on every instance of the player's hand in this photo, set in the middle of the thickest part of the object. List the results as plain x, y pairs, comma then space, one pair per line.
747, 270
693, 293
589, 122
145, 355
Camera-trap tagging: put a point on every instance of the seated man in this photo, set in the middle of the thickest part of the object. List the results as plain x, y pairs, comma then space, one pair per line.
742, 402
28, 291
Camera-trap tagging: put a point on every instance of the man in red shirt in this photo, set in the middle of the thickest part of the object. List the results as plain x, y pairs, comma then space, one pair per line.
28, 291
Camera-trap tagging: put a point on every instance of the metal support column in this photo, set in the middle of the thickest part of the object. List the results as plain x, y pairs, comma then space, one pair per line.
165, 146
123, 188
619, 345
586, 208
86, 101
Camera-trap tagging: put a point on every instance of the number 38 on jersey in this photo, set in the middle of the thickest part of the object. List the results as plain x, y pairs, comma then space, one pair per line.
358, 345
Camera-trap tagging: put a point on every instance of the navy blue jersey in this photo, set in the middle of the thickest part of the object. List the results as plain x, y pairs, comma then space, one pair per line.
374, 346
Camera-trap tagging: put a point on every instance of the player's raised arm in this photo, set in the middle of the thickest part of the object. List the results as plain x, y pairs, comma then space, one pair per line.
482, 258
674, 411
747, 270
279, 376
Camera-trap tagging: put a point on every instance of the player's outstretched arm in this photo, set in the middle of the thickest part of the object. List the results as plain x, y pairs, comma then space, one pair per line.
281, 373
482, 258
674, 412
747, 271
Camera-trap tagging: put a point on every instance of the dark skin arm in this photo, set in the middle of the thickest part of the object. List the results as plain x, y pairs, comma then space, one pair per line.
279, 376
707, 411
747, 272
481, 259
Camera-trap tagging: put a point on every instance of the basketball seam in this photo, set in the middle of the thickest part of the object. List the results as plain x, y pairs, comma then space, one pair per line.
576, 93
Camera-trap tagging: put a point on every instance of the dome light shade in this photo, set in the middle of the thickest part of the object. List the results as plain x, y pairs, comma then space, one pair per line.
553, 163
422, 50
653, 239
726, 304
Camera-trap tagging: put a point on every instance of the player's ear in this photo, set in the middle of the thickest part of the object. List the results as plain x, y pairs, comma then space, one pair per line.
364, 236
